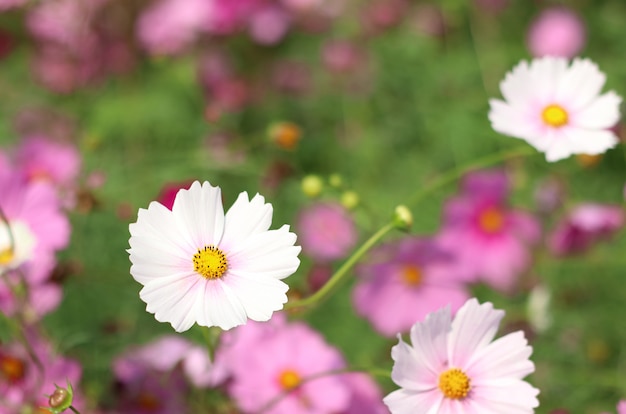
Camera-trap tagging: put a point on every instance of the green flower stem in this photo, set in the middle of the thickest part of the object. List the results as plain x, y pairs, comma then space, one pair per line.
341, 273
456, 173
443, 180
74, 410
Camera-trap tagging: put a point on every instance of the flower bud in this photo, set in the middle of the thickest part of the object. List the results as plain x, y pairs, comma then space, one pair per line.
312, 186
402, 218
350, 200
61, 399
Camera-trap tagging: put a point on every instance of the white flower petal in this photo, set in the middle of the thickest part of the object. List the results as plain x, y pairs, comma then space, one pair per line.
580, 141
260, 296
603, 112
474, 326
580, 85
271, 253
429, 338
246, 218
506, 357
407, 402
199, 214
172, 299
506, 396
411, 370
219, 306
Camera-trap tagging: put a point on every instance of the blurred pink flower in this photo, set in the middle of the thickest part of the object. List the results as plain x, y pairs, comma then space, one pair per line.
22, 384
169, 26
621, 407
326, 231
407, 280
454, 366
490, 240
556, 31
584, 226
10, 4
168, 192
289, 372
366, 397
165, 355
269, 25
38, 226
40, 158
342, 56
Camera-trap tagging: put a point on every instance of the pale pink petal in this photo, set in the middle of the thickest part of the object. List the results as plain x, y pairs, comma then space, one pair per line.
190, 211
603, 112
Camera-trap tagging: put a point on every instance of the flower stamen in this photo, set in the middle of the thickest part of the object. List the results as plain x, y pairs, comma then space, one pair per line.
13, 369
491, 220
554, 115
412, 275
210, 262
454, 384
289, 379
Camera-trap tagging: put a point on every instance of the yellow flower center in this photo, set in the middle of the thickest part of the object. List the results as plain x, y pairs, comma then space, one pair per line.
289, 379
13, 369
491, 220
454, 384
6, 256
554, 115
210, 262
412, 275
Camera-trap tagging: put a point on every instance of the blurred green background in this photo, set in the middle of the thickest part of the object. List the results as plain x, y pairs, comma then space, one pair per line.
418, 108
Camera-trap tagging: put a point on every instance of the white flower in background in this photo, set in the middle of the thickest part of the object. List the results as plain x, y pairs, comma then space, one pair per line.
538, 308
17, 245
198, 264
557, 108
453, 367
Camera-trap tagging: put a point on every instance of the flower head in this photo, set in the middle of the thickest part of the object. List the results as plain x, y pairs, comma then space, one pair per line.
585, 225
328, 232
452, 366
489, 239
199, 265
557, 31
407, 280
557, 108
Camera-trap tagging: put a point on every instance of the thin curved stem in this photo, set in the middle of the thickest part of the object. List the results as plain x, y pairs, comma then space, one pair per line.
340, 274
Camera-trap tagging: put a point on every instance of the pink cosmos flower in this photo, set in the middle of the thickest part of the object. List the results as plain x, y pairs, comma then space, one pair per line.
407, 280
169, 26
327, 231
452, 366
269, 25
289, 372
165, 355
556, 31
43, 159
10, 4
490, 240
621, 407
22, 384
584, 226
37, 227
366, 397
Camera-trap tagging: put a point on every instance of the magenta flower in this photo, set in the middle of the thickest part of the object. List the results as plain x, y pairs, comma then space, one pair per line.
165, 355
327, 231
584, 226
453, 367
366, 397
490, 240
557, 31
169, 26
22, 384
168, 192
289, 371
43, 159
407, 280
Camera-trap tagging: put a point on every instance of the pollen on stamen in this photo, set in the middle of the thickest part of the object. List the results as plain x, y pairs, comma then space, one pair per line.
210, 262
554, 115
454, 384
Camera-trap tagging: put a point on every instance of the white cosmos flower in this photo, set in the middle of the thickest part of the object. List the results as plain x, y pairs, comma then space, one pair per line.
557, 108
199, 265
453, 367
